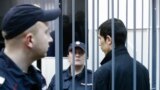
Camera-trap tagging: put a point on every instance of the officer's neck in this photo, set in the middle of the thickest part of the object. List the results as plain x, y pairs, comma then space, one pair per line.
78, 69
22, 61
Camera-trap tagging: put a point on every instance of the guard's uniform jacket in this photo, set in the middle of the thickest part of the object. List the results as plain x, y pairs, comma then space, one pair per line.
123, 72
79, 81
12, 78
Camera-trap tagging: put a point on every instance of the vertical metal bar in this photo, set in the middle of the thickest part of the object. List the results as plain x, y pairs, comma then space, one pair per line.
134, 43
142, 34
157, 29
73, 40
97, 35
39, 62
127, 19
159, 44
117, 8
86, 41
149, 20
93, 24
108, 8
113, 49
154, 44
59, 49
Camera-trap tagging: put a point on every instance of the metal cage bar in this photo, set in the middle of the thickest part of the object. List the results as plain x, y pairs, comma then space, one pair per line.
73, 41
154, 44
86, 42
113, 49
142, 32
93, 39
117, 8
127, 20
97, 35
58, 50
108, 9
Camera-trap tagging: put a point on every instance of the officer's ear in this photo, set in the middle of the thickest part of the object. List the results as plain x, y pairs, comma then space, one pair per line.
29, 40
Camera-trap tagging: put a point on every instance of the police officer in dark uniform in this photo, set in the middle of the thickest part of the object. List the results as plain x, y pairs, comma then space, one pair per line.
26, 34
79, 70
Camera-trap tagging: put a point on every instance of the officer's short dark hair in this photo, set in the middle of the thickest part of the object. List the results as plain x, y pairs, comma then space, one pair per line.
119, 30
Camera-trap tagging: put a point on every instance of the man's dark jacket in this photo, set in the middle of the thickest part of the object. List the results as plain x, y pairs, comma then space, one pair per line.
123, 72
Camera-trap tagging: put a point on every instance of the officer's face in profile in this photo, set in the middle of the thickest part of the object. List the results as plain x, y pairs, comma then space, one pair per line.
79, 57
41, 39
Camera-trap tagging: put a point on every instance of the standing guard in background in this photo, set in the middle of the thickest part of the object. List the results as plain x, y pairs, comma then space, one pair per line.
79, 70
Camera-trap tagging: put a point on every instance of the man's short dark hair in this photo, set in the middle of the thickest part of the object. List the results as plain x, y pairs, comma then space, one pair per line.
119, 30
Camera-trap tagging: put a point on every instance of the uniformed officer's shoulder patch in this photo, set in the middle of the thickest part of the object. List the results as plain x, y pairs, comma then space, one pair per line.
2, 79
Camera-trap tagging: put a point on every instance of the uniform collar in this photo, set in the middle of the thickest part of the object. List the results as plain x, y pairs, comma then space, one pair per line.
78, 76
12, 68
10, 65
118, 51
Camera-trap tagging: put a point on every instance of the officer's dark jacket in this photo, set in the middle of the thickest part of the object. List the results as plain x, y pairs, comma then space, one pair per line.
123, 72
15, 79
79, 81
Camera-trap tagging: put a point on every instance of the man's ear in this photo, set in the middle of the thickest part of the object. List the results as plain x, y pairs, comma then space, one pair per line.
29, 40
109, 39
